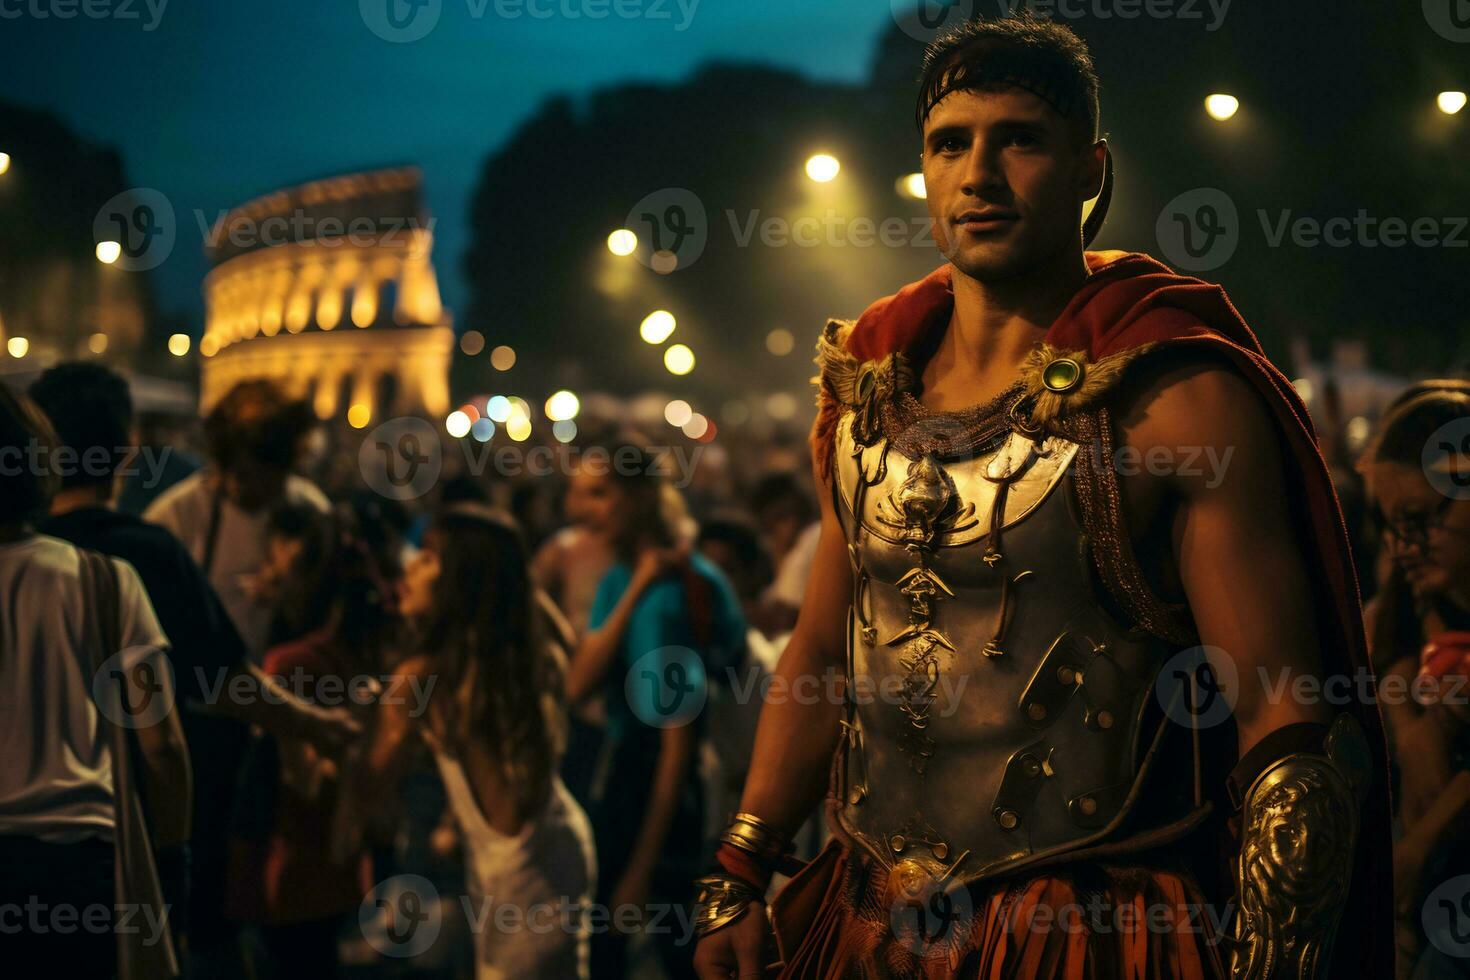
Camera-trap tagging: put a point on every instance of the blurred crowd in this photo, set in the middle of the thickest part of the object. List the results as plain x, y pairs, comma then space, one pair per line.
338, 734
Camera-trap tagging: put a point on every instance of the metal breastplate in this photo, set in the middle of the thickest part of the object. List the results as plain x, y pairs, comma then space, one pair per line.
995, 707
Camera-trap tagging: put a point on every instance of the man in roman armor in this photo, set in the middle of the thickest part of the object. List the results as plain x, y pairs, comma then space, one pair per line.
1084, 580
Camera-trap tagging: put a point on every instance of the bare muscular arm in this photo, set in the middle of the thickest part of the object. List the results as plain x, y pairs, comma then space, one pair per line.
1217, 475
796, 737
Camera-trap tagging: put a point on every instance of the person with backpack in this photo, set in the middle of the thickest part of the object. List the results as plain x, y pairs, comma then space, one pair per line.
664, 622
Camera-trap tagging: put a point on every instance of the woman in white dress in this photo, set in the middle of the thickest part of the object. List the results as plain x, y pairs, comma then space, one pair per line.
495, 724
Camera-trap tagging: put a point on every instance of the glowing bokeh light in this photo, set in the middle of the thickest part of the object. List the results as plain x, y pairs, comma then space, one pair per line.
780, 342
457, 425
1221, 107
622, 242
657, 327
358, 416
823, 168
17, 346
563, 406
678, 413
472, 342
679, 359
912, 185
696, 427
1451, 102
503, 358
498, 408
178, 344
108, 252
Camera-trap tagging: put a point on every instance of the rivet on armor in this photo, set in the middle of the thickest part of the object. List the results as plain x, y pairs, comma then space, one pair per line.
897, 843
1087, 805
1036, 711
855, 797
941, 850
1030, 766
1066, 675
1061, 375
1104, 719
1008, 819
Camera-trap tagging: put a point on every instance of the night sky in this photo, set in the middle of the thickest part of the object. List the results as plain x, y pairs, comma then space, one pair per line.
221, 101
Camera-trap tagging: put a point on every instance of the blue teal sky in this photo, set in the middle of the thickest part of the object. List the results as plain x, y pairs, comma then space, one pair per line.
221, 101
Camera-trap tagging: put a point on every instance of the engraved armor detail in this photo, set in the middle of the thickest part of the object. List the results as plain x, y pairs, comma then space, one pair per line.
993, 700
1301, 819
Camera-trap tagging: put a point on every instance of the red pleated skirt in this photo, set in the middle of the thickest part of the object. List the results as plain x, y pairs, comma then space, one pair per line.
847, 917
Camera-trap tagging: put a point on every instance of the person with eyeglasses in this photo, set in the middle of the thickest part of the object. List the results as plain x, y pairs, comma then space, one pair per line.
1417, 471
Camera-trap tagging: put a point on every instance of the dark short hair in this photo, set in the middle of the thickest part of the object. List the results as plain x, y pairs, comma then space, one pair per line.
782, 487
257, 420
741, 536
1041, 56
27, 477
92, 411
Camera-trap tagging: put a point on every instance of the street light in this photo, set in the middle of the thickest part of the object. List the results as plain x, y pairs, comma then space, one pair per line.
823, 168
622, 242
4, 162
1221, 107
912, 185
17, 346
108, 252
1451, 102
178, 344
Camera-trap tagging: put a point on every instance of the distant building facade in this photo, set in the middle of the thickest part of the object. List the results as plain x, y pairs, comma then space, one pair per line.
328, 288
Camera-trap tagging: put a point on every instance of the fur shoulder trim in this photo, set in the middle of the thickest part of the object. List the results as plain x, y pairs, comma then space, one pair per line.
1064, 381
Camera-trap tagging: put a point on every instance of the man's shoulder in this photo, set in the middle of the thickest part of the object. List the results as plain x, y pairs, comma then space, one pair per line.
181, 495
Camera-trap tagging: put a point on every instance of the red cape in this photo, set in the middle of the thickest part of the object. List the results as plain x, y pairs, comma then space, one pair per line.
1128, 300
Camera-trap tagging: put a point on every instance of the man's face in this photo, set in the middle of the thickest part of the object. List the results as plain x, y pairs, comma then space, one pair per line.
1006, 177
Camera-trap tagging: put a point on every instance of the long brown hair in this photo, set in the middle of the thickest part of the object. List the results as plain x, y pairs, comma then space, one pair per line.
1412, 418
487, 642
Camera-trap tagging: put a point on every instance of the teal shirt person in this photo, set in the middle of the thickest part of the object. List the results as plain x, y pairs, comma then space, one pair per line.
686, 631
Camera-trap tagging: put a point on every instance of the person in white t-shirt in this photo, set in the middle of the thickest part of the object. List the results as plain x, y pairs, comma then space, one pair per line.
56, 789
254, 438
